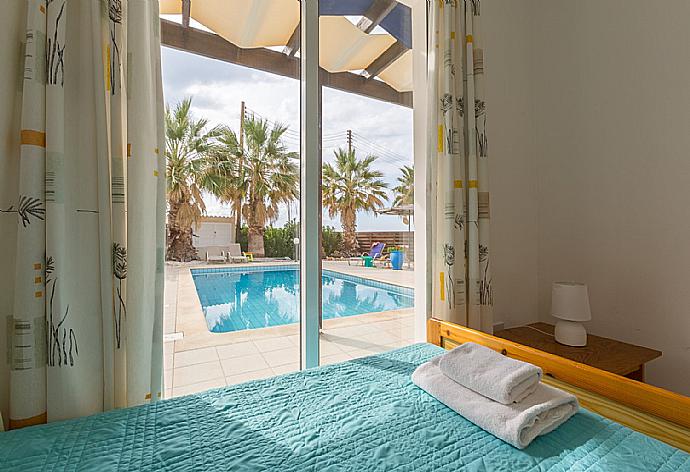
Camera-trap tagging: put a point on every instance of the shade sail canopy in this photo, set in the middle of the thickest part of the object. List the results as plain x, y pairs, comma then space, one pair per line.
399, 74
371, 38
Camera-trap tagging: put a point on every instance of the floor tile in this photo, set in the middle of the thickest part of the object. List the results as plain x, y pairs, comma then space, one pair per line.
237, 350
350, 331
282, 357
381, 338
329, 348
273, 344
247, 376
285, 368
327, 360
196, 373
243, 364
374, 349
198, 387
195, 356
388, 325
348, 345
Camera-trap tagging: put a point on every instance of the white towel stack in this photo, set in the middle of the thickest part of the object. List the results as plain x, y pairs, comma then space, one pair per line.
485, 371
500, 395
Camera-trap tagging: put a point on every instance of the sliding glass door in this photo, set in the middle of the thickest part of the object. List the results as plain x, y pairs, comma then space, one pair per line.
233, 95
365, 51
306, 246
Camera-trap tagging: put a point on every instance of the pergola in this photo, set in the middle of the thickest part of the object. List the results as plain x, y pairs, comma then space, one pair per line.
265, 35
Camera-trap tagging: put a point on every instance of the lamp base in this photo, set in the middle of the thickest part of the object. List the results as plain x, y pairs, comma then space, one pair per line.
570, 333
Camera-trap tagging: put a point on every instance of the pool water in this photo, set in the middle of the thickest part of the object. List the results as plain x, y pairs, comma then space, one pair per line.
234, 299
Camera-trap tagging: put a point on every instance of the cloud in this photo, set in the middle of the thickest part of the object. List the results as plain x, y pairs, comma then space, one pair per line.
218, 88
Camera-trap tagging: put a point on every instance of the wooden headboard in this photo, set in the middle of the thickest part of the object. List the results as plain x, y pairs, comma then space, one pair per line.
651, 410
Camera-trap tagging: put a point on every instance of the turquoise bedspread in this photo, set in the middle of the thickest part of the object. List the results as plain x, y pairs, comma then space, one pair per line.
357, 416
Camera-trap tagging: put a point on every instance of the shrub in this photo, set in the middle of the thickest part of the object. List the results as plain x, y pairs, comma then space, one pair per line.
244, 238
331, 240
279, 242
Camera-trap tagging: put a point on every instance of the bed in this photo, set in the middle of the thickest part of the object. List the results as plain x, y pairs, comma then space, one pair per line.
360, 415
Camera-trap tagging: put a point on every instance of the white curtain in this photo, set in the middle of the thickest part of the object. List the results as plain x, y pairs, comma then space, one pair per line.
82, 189
462, 288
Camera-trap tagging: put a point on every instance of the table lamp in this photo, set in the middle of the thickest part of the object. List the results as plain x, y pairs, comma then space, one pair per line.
570, 304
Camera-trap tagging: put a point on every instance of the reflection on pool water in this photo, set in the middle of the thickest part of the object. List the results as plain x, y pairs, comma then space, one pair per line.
234, 300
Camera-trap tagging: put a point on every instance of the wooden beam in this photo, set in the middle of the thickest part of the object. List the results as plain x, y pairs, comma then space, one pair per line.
378, 10
349, 82
292, 45
387, 57
186, 12
213, 46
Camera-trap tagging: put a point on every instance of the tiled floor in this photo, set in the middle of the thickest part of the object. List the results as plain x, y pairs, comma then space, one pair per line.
197, 360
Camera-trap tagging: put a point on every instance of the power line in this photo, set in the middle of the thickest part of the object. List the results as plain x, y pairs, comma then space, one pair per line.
272, 123
383, 157
382, 149
332, 135
341, 139
333, 139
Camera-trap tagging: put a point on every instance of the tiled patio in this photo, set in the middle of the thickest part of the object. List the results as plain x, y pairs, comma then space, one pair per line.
196, 359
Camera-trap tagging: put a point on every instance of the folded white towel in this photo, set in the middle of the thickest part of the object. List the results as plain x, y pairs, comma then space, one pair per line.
517, 423
489, 373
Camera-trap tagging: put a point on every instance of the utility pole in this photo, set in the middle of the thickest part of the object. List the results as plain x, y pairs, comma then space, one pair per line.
349, 141
238, 202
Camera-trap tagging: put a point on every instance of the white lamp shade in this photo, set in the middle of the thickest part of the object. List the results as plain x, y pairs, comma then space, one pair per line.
570, 301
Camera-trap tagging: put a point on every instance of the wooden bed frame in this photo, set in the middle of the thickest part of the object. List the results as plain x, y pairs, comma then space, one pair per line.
650, 410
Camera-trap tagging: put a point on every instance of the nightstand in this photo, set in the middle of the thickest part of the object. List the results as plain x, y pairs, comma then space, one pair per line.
607, 354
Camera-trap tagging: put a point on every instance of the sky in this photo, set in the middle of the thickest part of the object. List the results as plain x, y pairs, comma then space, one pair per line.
218, 88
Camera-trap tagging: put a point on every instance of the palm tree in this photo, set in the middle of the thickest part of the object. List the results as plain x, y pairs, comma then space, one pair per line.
228, 157
188, 172
269, 175
404, 191
351, 185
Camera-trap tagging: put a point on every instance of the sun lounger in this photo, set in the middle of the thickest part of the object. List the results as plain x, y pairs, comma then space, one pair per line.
235, 254
376, 252
215, 254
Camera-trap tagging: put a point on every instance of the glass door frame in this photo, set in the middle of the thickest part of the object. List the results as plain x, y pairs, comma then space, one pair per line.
423, 146
310, 182
310, 185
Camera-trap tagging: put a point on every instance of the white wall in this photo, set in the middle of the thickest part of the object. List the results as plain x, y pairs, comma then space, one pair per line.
611, 89
512, 170
212, 233
589, 106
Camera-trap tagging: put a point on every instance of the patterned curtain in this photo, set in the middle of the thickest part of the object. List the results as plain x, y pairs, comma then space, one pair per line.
462, 290
82, 207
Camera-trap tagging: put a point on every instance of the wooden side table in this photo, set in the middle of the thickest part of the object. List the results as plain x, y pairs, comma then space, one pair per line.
607, 354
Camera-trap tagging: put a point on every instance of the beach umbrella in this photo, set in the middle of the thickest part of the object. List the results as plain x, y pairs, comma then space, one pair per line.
406, 210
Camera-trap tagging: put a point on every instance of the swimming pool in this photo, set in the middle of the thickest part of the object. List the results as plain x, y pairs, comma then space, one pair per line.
239, 298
